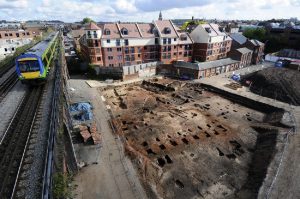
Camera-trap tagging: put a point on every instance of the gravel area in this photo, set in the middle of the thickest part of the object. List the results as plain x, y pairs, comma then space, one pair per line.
9, 104
113, 176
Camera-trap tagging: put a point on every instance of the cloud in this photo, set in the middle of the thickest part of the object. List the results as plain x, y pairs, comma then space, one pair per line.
154, 5
13, 4
147, 10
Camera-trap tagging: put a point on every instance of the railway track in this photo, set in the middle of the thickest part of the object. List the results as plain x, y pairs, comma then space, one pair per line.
16, 142
7, 85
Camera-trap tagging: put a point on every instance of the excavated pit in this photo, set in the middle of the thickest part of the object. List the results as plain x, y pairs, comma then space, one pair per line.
190, 141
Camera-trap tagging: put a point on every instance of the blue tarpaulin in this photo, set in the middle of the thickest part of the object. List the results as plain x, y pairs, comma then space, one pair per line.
84, 110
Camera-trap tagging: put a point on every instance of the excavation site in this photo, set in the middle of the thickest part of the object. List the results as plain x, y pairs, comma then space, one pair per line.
190, 141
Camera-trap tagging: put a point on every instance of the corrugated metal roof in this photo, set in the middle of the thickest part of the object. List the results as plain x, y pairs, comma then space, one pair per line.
241, 39
205, 65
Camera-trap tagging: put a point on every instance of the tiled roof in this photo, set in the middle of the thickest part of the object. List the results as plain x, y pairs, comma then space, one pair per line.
184, 35
114, 31
241, 39
213, 29
92, 26
244, 50
78, 33
133, 31
147, 30
163, 25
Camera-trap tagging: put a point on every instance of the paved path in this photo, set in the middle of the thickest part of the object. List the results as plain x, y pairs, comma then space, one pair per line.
113, 177
287, 182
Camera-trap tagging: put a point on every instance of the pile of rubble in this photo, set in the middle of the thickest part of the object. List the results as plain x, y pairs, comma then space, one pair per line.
88, 133
278, 83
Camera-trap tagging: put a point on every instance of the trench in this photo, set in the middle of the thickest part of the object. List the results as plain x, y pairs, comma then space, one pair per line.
263, 154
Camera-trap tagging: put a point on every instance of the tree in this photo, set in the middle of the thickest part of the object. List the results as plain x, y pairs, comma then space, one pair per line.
87, 20
192, 22
257, 33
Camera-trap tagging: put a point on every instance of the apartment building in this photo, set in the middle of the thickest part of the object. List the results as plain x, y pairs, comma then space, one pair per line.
173, 44
257, 47
244, 55
125, 44
210, 42
11, 39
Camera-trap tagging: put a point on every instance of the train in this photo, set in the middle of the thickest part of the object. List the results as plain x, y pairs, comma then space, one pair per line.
32, 67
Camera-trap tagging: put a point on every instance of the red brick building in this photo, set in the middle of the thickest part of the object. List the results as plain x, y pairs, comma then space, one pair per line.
125, 44
210, 42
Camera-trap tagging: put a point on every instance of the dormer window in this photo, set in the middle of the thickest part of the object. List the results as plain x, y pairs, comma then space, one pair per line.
167, 30
221, 29
107, 32
124, 31
208, 30
183, 37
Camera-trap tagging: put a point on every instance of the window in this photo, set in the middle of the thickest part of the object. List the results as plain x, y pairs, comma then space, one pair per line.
209, 39
156, 41
169, 55
108, 41
169, 48
185, 54
132, 58
119, 49
0, 36
118, 43
107, 32
145, 47
6, 35
132, 50
126, 42
164, 41
12, 49
124, 31
126, 50
119, 57
167, 30
110, 57
29, 66
169, 41
96, 43
98, 58
10, 34
5, 49
109, 49
139, 55
174, 54
127, 58
175, 39
17, 34
98, 50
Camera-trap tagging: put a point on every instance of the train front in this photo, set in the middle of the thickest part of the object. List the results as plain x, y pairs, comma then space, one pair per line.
30, 70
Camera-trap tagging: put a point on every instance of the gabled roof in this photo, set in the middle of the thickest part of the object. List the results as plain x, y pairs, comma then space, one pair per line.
114, 31
255, 42
163, 25
147, 30
244, 50
188, 39
133, 31
213, 29
239, 38
92, 26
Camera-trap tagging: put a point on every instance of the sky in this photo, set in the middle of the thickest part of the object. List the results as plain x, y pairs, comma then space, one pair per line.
146, 10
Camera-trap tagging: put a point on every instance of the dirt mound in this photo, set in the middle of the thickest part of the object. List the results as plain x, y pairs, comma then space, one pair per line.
277, 83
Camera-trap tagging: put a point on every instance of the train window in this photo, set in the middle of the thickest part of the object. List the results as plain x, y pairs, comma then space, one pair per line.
29, 66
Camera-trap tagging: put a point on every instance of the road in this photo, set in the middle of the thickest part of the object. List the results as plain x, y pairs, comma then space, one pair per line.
114, 176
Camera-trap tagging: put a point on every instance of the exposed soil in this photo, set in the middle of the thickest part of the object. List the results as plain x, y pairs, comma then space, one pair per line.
278, 83
187, 142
